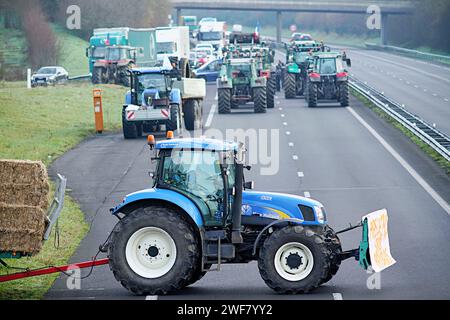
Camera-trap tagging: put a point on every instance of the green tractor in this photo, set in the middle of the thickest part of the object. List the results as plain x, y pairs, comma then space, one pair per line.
115, 66
297, 61
239, 83
328, 78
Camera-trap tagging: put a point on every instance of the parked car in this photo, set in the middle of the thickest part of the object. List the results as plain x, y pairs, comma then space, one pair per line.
49, 76
202, 56
209, 71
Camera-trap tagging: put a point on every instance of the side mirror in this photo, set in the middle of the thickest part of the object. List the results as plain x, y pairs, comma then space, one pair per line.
249, 185
349, 62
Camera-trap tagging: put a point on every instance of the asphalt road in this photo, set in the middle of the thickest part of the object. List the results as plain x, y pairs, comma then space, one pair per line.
423, 87
326, 153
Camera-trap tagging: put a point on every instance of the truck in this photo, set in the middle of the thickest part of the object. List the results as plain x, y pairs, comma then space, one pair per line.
172, 42
143, 40
160, 96
213, 33
328, 78
191, 23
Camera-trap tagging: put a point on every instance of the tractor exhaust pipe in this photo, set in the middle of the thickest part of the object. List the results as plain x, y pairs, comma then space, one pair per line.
236, 213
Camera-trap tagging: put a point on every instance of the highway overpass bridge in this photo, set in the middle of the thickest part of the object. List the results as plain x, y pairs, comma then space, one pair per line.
393, 7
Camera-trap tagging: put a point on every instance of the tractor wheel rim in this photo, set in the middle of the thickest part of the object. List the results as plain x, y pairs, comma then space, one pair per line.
151, 252
294, 261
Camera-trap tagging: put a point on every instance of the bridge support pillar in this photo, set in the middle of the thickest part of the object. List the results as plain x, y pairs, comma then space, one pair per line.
279, 26
177, 20
383, 30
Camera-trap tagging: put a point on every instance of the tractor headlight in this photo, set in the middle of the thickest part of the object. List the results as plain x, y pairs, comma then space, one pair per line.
320, 214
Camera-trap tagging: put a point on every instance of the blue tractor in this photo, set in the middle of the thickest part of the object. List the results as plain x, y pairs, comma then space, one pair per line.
161, 96
201, 212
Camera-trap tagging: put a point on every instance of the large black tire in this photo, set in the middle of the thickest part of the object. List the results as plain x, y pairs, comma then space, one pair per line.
172, 124
185, 68
271, 90
192, 111
311, 94
306, 237
180, 231
260, 100
129, 128
224, 100
97, 75
344, 94
289, 85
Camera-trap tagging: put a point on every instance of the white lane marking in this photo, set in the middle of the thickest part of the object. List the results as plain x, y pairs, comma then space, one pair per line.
216, 96
284, 123
300, 174
288, 132
446, 99
439, 200
278, 102
295, 157
416, 86
280, 108
307, 194
210, 115
282, 115
337, 296
151, 298
434, 94
291, 144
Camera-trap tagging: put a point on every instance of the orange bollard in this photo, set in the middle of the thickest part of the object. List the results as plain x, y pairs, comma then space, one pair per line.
98, 110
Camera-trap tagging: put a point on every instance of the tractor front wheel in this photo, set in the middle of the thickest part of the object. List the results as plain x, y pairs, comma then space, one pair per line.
344, 94
97, 75
172, 124
153, 251
311, 95
294, 259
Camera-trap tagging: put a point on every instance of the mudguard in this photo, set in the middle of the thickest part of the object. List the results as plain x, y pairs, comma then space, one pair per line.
293, 68
161, 194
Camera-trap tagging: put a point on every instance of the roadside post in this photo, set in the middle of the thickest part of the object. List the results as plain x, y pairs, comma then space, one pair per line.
29, 78
98, 110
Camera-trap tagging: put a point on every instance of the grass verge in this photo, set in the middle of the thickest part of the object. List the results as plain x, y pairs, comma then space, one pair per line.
42, 124
422, 145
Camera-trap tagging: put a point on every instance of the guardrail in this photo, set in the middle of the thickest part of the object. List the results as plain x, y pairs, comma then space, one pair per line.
410, 52
80, 77
436, 139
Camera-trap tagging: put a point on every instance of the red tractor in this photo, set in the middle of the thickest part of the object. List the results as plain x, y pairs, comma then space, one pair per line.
114, 68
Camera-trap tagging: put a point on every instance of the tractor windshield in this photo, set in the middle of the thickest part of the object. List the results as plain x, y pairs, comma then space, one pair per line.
327, 65
166, 47
198, 175
152, 81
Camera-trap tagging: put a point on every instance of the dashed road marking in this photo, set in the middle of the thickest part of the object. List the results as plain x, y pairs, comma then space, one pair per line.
300, 174
284, 123
282, 115
288, 133
439, 200
290, 144
295, 157
337, 296
210, 115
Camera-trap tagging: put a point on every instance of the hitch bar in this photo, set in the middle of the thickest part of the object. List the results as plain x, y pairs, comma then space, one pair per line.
43, 271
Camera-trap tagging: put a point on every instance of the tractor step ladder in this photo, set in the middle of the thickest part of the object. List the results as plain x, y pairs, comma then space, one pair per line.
214, 251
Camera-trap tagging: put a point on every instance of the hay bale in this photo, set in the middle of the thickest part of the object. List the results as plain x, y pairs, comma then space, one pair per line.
21, 228
24, 193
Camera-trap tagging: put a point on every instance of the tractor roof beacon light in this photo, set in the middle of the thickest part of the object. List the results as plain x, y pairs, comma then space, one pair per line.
151, 141
169, 135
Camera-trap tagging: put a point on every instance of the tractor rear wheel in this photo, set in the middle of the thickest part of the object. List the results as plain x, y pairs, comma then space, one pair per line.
192, 114
153, 251
344, 94
224, 100
172, 124
129, 128
294, 259
289, 85
97, 75
271, 90
311, 95
260, 100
